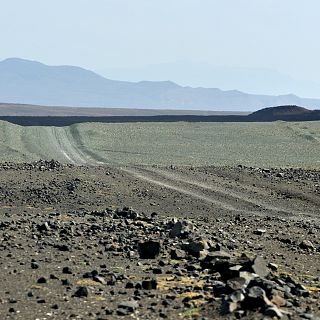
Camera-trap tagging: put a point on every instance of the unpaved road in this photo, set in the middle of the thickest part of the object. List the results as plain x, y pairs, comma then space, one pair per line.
226, 193
71, 148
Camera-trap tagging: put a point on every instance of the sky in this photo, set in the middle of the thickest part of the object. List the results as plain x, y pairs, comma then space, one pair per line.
281, 35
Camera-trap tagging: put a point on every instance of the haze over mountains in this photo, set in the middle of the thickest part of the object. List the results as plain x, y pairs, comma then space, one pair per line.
250, 80
30, 82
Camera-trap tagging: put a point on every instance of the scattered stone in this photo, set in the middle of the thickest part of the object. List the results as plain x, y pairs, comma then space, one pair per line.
110, 279
149, 284
127, 307
237, 283
260, 232
273, 266
237, 296
195, 247
278, 300
177, 254
176, 230
307, 245
259, 267
43, 227
149, 249
66, 270
99, 279
256, 298
81, 292
41, 301
42, 280
63, 247
129, 285
228, 307
273, 312
181, 229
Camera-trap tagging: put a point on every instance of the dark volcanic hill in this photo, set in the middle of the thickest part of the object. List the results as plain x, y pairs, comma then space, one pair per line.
285, 113
30, 82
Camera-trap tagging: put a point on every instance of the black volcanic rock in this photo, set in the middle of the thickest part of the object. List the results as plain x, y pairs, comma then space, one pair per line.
285, 113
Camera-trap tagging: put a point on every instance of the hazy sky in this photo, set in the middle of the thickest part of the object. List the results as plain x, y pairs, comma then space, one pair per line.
97, 34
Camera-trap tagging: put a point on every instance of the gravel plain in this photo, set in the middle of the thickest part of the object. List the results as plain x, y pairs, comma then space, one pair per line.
153, 242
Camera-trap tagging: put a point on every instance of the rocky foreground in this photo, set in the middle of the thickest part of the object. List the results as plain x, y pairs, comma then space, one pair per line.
66, 252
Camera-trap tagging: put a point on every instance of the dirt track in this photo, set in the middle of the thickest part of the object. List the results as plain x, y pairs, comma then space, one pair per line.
226, 194
223, 191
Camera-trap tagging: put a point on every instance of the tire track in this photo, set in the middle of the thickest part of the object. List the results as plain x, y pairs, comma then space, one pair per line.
221, 198
224, 200
179, 189
92, 157
67, 147
215, 188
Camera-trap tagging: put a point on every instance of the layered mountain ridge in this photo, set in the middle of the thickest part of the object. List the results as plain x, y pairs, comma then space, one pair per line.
31, 82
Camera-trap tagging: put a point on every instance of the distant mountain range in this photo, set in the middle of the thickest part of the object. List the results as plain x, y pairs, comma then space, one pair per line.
30, 82
250, 80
